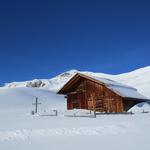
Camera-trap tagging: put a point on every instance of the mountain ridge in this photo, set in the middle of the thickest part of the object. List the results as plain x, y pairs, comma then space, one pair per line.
138, 79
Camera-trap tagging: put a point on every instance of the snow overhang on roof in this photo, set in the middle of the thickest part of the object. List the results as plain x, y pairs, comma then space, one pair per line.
122, 89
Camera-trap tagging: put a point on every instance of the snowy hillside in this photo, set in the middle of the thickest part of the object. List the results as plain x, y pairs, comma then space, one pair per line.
20, 99
22, 94
50, 84
21, 131
139, 79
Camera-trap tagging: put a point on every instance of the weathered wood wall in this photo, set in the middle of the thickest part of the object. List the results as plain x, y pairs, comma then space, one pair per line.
104, 99
91, 95
76, 98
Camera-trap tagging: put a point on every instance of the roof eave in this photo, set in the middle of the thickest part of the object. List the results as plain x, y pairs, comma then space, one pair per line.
139, 99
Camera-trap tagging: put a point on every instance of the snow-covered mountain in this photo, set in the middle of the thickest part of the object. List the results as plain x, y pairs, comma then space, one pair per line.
52, 84
139, 79
20, 130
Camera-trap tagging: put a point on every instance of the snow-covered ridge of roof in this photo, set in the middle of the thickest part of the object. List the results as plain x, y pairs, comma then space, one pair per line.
121, 89
108, 82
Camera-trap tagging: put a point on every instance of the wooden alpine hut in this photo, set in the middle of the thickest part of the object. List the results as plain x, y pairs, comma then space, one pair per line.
100, 94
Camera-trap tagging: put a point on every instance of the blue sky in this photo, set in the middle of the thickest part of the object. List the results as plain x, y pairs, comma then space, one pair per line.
40, 39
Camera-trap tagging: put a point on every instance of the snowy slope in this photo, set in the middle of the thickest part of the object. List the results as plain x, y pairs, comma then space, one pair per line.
21, 131
20, 99
22, 94
52, 84
140, 108
139, 79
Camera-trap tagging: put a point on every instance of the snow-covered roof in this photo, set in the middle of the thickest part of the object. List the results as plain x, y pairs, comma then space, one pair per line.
121, 89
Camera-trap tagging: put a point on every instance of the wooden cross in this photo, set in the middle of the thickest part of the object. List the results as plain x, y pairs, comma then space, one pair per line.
36, 104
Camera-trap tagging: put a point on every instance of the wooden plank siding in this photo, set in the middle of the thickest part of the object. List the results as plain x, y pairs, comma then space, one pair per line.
109, 101
91, 95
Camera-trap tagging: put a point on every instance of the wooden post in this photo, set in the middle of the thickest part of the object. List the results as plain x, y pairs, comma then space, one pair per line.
90, 111
56, 112
94, 113
36, 105
94, 110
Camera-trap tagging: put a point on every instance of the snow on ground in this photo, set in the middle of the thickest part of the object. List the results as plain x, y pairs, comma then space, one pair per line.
109, 132
19, 130
140, 108
13, 99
